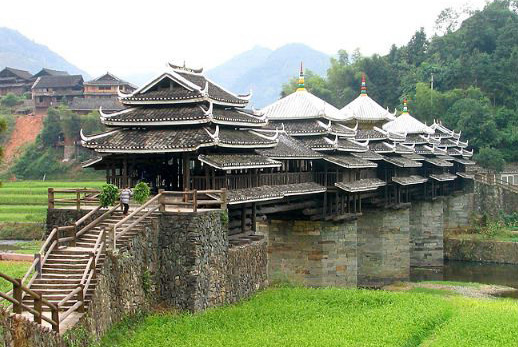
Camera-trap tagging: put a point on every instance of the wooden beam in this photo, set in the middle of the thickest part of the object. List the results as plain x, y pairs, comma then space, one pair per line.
254, 216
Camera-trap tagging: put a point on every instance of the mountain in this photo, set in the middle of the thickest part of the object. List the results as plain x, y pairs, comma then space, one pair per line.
265, 71
19, 52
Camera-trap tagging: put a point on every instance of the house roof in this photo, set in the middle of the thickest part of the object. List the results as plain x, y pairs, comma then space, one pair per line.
402, 161
290, 148
300, 105
185, 85
265, 193
368, 155
365, 109
443, 177
406, 124
409, 180
93, 104
349, 161
238, 161
362, 185
66, 81
438, 162
182, 115
108, 79
26, 75
50, 72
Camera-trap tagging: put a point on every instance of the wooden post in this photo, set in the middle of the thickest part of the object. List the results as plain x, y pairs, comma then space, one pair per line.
81, 298
161, 200
37, 308
186, 172
114, 238
37, 257
17, 295
360, 202
78, 201
103, 230
194, 200
55, 318
243, 218
125, 171
254, 216
223, 199
354, 198
51, 198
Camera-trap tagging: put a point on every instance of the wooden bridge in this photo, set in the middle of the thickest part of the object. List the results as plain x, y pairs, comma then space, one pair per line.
59, 285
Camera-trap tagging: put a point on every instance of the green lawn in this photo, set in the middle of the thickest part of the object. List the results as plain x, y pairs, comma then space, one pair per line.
331, 317
26, 201
16, 269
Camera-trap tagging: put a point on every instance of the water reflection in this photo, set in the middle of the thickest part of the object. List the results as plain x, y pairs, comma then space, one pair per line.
463, 271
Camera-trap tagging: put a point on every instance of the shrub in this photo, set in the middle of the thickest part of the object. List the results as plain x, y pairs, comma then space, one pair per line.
141, 192
108, 195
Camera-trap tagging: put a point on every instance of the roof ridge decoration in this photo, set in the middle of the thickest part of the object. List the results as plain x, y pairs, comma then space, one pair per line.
85, 138
363, 88
405, 106
185, 69
215, 136
301, 86
275, 137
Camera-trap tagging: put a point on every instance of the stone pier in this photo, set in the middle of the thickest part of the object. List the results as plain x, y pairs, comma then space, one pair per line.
426, 233
312, 253
383, 247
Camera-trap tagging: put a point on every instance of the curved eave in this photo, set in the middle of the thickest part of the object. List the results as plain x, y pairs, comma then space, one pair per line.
153, 123
171, 101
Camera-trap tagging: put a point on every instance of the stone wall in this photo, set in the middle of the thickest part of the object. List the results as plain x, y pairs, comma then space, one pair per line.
383, 247
458, 209
63, 217
246, 271
16, 330
492, 199
487, 251
193, 256
426, 233
312, 254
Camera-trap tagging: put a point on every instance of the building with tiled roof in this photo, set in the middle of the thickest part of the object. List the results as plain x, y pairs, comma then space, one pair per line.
15, 81
52, 90
183, 131
107, 86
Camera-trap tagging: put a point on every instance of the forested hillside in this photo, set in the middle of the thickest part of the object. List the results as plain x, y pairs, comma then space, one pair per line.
475, 78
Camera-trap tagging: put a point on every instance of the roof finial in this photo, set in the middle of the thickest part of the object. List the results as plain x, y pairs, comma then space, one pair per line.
301, 78
405, 106
363, 89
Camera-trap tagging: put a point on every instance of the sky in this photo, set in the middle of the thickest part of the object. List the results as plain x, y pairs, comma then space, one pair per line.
132, 37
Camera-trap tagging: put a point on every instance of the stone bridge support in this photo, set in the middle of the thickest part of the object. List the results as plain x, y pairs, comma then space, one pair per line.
311, 253
426, 233
383, 247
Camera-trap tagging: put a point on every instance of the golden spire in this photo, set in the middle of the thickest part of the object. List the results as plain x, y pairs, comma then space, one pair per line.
301, 79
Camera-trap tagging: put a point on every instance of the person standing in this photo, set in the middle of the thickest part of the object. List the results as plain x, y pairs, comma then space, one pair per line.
125, 196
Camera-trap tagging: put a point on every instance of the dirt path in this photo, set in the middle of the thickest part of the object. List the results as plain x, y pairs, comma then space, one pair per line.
26, 128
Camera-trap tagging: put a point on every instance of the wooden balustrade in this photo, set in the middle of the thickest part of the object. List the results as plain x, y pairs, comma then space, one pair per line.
72, 197
492, 180
250, 180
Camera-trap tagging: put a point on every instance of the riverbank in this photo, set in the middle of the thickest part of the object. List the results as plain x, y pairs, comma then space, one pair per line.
465, 248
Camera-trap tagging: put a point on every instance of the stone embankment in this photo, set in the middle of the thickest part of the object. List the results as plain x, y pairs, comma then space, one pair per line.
488, 251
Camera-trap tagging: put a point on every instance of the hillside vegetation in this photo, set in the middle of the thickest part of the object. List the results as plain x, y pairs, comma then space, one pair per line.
474, 73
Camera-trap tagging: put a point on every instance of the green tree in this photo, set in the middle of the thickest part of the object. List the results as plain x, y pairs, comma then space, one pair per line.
10, 100
490, 158
52, 130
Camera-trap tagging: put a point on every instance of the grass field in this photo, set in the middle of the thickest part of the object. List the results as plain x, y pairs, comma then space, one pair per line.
16, 269
331, 317
26, 201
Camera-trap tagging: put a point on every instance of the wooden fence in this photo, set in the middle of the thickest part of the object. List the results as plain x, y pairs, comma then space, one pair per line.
73, 197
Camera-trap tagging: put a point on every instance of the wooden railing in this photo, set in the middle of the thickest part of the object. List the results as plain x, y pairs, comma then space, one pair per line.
72, 197
18, 306
492, 180
249, 180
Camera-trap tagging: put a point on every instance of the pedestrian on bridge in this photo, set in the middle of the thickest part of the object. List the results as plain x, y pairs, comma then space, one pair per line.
125, 196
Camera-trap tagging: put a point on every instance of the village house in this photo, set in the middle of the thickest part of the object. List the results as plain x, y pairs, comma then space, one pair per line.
107, 86
50, 90
15, 81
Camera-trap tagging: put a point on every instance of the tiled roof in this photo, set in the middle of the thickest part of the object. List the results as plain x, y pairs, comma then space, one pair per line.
363, 108
405, 123
464, 161
370, 134
402, 162
413, 156
288, 147
415, 138
50, 72
369, 155
181, 114
380, 147
409, 180
423, 149
237, 161
301, 105
107, 79
186, 86
443, 177
349, 161
363, 185
300, 127
466, 175
438, 162
93, 104
342, 130
401, 149
25, 75
264, 193
65, 81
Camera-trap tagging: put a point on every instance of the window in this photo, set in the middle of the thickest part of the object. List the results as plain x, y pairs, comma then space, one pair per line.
105, 88
510, 179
